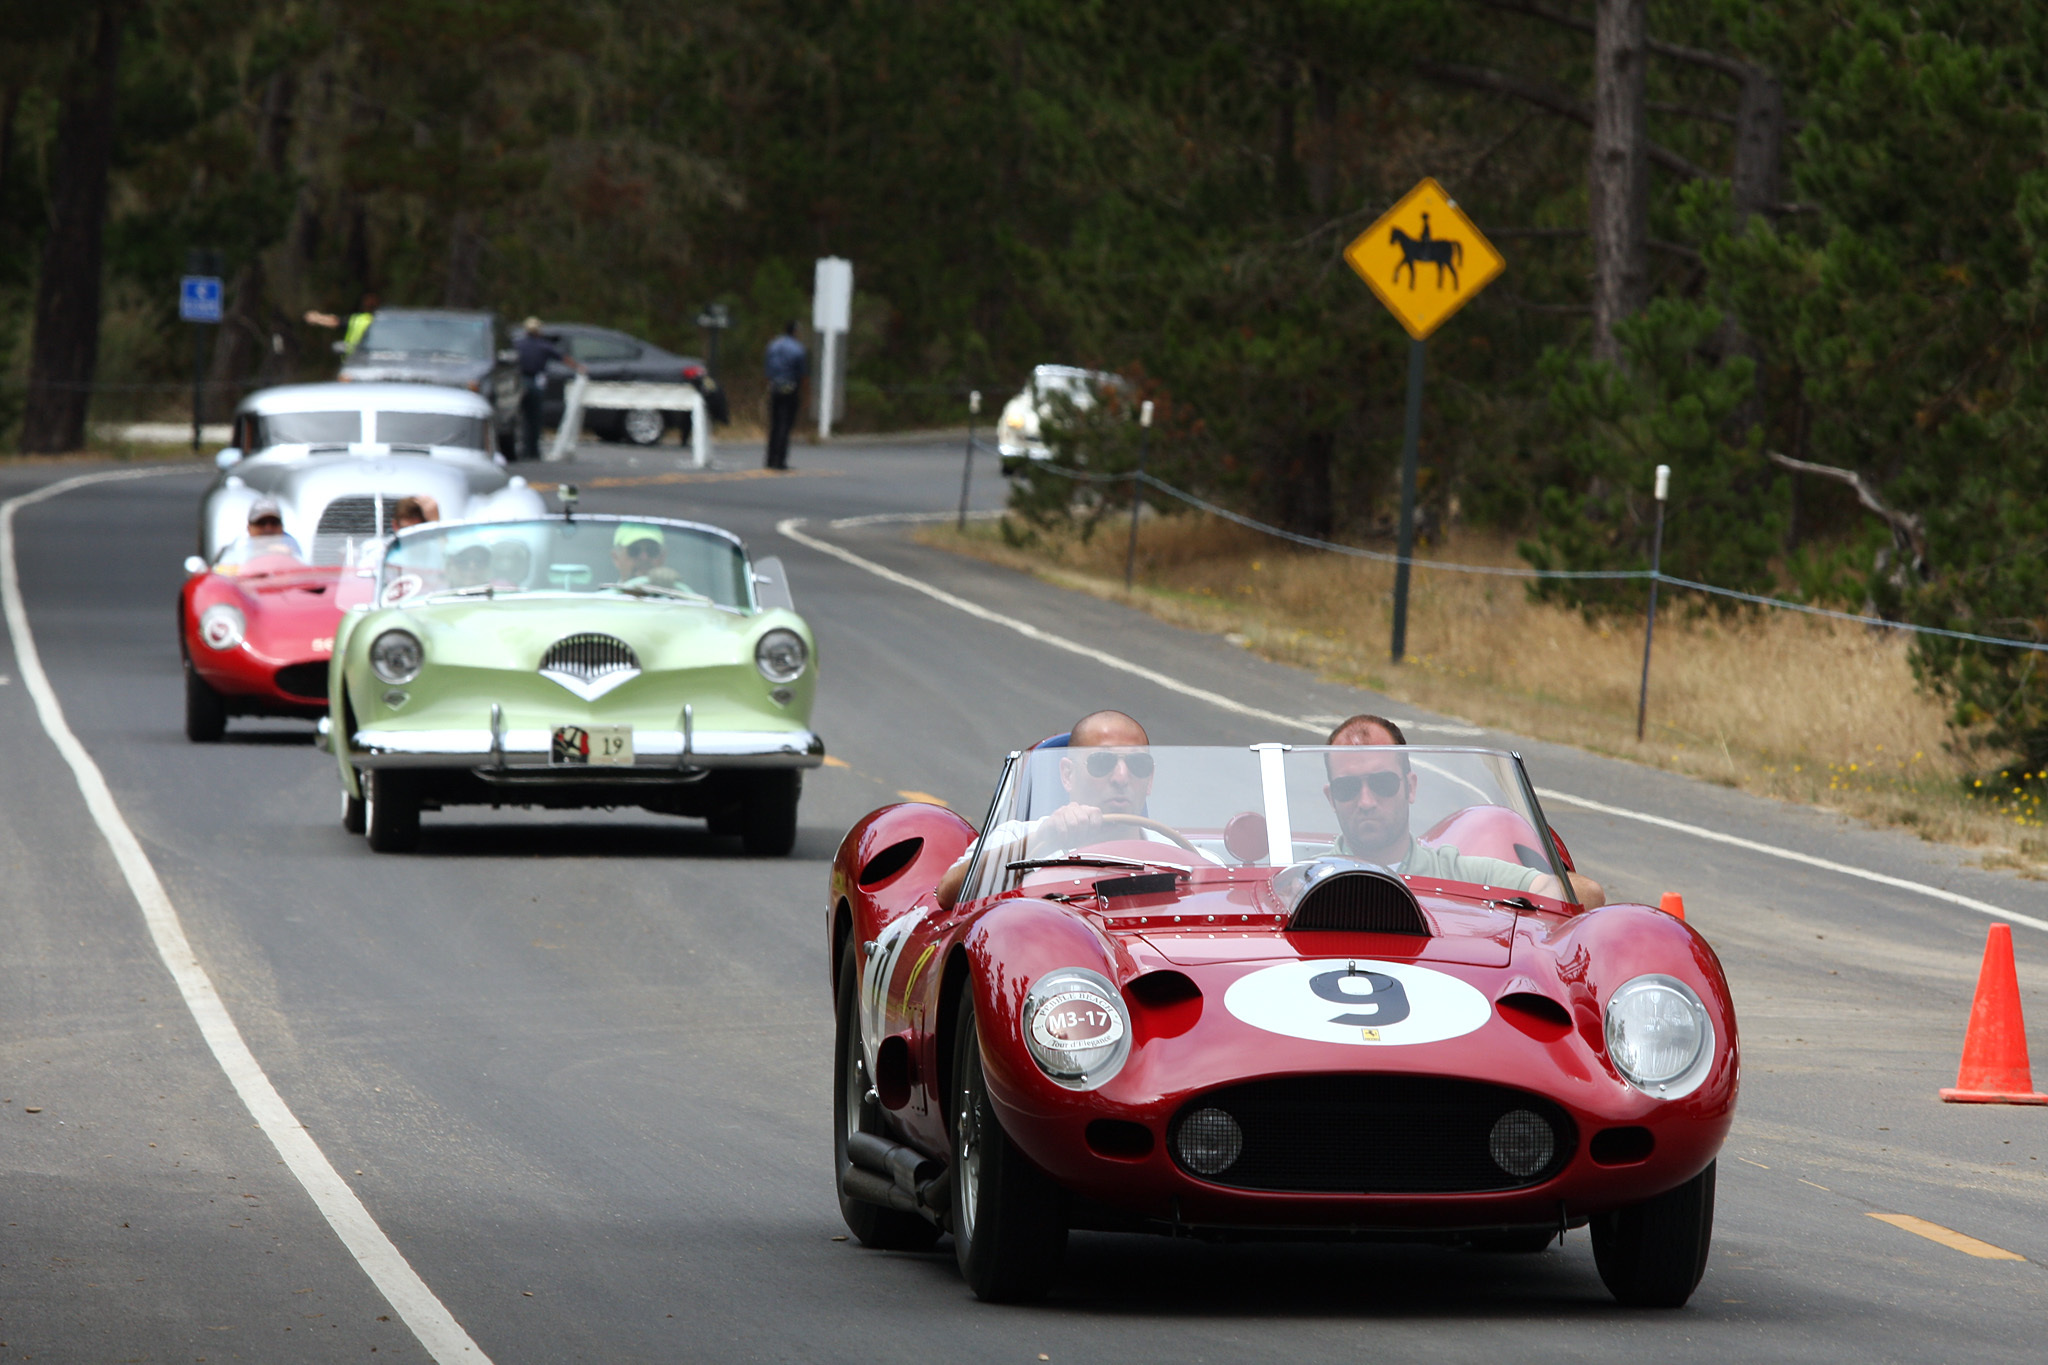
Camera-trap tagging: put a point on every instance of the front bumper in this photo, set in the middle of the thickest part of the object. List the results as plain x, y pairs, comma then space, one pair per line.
517, 755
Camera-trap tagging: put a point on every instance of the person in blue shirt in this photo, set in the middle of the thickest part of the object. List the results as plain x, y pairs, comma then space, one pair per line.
787, 365
535, 351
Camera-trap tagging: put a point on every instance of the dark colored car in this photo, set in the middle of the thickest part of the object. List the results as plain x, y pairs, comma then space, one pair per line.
618, 357
463, 350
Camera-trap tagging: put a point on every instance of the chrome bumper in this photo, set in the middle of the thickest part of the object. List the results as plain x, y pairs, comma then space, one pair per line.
518, 753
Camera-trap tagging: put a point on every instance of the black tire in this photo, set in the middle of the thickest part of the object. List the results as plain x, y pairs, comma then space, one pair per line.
352, 810
508, 442
1008, 1220
206, 713
391, 811
1652, 1254
875, 1226
768, 813
642, 426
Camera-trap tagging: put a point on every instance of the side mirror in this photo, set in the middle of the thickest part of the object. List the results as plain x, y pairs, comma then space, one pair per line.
771, 585
231, 455
194, 564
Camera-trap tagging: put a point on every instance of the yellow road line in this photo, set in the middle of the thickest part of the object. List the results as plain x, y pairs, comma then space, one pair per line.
1948, 1237
832, 762
926, 796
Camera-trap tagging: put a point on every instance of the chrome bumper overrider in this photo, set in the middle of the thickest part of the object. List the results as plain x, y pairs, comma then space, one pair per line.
656, 753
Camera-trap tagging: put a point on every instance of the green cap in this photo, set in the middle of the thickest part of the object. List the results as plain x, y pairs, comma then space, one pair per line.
633, 531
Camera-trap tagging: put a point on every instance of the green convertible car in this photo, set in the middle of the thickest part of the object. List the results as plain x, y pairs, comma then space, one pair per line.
573, 661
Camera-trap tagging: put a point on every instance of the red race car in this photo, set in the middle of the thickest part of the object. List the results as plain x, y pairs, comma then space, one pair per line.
1267, 992
256, 628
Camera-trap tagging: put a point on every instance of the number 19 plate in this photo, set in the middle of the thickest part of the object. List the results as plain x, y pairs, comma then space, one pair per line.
591, 744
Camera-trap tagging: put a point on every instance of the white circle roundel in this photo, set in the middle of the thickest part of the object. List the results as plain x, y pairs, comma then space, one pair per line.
1357, 1001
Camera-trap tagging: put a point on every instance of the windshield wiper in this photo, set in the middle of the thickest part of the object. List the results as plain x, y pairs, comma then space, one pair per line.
653, 589
473, 590
1092, 860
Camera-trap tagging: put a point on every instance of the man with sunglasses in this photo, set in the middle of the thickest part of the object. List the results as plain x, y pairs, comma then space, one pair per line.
637, 552
1372, 790
266, 522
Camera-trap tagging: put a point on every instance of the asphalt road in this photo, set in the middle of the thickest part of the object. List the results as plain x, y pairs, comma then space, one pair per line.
577, 1067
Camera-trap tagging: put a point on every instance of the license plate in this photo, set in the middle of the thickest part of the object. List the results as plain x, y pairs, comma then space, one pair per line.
591, 744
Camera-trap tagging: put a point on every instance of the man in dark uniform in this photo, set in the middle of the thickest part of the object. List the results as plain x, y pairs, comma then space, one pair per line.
787, 365
535, 351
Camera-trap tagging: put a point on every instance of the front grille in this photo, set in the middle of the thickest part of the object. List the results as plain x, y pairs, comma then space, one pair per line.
1367, 1134
589, 665
345, 524
1360, 903
304, 680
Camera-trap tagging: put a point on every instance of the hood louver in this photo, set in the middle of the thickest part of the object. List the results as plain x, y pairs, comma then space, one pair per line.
589, 665
1345, 895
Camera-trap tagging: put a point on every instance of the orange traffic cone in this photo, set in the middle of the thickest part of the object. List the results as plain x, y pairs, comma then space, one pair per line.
1673, 905
1995, 1069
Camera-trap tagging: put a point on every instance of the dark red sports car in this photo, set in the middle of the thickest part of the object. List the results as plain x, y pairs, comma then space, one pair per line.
1267, 992
256, 628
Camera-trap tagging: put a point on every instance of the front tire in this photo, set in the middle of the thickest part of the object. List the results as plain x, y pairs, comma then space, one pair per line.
352, 809
206, 712
883, 1229
1009, 1225
391, 811
768, 813
1652, 1254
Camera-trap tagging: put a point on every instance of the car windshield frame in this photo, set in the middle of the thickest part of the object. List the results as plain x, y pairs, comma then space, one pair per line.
566, 557
1284, 787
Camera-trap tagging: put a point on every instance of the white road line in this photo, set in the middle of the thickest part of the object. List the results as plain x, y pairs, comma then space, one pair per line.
393, 1276
788, 527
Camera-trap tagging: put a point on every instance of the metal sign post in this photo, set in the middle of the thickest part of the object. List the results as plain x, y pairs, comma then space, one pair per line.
1447, 260
967, 462
714, 319
199, 304
1656, 572
831, 317
1138, 491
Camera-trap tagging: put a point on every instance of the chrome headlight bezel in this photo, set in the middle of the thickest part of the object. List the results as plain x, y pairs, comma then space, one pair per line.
1068, 1001
1660, 1004
781, 656
400, 669
223, 626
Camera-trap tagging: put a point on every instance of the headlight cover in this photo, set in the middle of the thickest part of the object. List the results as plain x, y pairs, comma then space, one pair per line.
223, 626
782, 656
396, 656
1659, 1036
1076, 1027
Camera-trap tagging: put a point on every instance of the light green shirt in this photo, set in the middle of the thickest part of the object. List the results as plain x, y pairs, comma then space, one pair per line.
1444, 863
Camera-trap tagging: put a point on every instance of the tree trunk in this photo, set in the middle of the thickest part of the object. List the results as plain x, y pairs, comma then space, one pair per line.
1303, 499
1322, 166
459, 290
1286, 169
1759, 134
241, 345
65, 352
1619, 183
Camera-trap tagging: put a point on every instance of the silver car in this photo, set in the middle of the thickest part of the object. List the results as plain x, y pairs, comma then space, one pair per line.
339, 457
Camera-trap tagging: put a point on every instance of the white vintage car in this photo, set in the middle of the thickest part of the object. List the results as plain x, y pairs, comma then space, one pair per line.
1018, 432
339, 457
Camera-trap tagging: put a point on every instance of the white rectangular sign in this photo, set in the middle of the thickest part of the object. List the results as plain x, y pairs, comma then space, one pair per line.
832, 297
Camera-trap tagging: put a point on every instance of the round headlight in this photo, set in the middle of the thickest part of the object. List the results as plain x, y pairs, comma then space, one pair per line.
1209, 1141
782, 656
222, 626
1657, 1032
396, 655
1521, 1143
1076, 1028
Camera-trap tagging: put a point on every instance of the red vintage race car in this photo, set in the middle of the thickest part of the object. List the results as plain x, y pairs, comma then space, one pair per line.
1267, 992
256, 628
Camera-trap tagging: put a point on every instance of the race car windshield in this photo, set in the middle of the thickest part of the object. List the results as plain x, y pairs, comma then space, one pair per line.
251, 556
648, 560
1438, 814
456, 338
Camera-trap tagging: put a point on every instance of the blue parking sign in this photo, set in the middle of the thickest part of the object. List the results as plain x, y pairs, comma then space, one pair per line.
199, 298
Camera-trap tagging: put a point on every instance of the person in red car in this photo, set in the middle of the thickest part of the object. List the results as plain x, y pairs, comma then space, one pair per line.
1372, 792
265, 536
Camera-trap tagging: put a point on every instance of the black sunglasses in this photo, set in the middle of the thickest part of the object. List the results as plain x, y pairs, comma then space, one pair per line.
643, 549
1102, 764
1346, 789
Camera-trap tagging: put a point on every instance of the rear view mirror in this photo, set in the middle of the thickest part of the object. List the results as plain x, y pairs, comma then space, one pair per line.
231, 455
771, 585
194, 564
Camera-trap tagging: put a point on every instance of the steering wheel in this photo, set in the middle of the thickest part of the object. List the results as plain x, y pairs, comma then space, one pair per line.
1147, 822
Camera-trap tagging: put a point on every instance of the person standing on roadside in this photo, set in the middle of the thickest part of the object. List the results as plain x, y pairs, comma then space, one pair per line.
787, 365
535, 351
358, 321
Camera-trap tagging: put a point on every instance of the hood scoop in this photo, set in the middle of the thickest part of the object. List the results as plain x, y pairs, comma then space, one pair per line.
1348, 895
589, 665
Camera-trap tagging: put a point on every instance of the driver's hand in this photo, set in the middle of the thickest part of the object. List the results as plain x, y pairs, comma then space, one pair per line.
1071, 826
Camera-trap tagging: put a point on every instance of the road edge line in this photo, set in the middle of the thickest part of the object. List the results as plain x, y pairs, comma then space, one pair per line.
392, 1275
788, 528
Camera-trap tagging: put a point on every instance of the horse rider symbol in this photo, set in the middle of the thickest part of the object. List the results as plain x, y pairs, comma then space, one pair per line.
1445, 253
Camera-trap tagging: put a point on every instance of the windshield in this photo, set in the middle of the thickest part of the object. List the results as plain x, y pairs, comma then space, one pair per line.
1438, 814
308, 428
254, 556
457, 338
433, 429
648, 558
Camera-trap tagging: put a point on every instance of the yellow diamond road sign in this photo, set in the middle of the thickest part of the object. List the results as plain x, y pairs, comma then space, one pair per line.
1424, 259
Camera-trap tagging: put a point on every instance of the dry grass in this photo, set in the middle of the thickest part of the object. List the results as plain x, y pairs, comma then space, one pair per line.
1787, 706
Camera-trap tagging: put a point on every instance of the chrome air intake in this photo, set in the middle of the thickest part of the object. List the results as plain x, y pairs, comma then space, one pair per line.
589, 665
1347, 895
